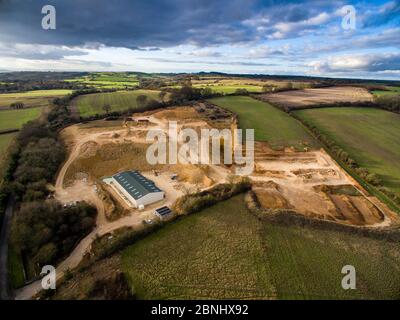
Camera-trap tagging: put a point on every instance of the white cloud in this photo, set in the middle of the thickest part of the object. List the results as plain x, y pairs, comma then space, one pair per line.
265, 51
351, 63
38, 52
205, 53
287, 27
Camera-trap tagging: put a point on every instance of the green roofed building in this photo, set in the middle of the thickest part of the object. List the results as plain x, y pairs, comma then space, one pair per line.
135, 189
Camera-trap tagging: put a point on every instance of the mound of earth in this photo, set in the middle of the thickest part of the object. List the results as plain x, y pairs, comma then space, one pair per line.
197, 175
269, 196
88, 149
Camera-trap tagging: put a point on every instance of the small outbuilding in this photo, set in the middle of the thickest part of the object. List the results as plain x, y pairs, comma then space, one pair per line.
163, 212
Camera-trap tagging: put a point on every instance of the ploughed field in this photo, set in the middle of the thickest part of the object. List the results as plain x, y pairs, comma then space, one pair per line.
37, 98
93, 104
298, 99
369, 136
270, 124
224, 252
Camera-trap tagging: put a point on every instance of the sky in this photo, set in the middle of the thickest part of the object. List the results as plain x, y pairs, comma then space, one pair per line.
311, 38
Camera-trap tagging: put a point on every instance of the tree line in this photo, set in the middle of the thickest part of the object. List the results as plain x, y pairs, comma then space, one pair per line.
389, 102
43, 231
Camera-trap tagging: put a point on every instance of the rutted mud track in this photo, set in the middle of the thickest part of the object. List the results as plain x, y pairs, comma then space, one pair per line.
308, 97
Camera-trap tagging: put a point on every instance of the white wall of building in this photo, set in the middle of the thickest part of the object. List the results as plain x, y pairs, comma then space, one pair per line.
145, 200
150, 198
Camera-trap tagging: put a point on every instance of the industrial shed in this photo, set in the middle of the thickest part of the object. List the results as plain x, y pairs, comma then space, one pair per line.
135, 189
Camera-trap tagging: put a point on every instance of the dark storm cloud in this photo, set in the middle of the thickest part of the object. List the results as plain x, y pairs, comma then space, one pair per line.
148, 25
123, 23
389, 62
139, 24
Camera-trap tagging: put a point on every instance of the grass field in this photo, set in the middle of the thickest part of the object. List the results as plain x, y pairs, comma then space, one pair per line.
15, 119
38, 98
307, 264
108, 80
228, 89
213, 254
224, 252
369, 136
122, 100
269, 123
5, 140
391, 91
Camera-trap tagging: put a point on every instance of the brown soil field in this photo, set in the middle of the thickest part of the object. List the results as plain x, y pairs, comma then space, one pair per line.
313, 184
297, 99
111, 158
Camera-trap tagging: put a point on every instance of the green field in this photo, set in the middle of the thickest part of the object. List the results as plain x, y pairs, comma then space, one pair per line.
270, 124
38, 98
229, 89
108, 80
225, 89
391, 91
15, 119
369, 136
92, 104
213, 254
224, 252
5, 140
307, 264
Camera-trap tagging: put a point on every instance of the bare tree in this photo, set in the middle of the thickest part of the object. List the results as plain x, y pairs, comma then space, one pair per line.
141, 100
17, 105
107, 108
